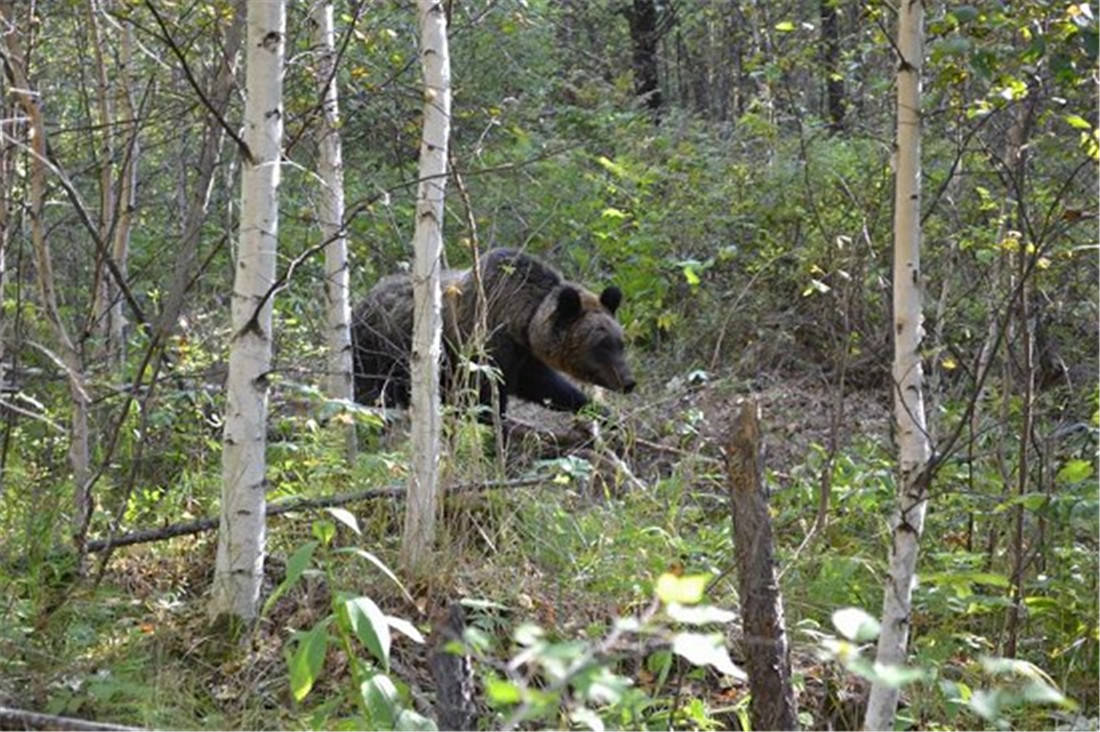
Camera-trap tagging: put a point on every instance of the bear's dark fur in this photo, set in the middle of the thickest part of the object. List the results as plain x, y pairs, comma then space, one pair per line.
539, 324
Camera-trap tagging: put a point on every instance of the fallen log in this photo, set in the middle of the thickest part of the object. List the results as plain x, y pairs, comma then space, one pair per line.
198, 526
21, 719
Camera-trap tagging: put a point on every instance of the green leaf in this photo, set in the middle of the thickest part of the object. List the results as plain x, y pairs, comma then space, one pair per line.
785, 26
380, 697
1074, 471
307, 660
855, 624
706, 649
613, 213
370, 627
295, 566
346, 517
407, 719
363, 554
405, 628
324, 531
502, 692
686, 590
612, 167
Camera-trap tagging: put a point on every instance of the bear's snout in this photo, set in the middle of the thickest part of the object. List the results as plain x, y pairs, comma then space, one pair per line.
628, 385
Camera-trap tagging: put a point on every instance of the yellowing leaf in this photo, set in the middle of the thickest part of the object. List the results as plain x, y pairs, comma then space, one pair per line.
686, 590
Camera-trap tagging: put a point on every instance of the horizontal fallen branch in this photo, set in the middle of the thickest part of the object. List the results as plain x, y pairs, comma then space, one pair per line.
298, 504
20, 719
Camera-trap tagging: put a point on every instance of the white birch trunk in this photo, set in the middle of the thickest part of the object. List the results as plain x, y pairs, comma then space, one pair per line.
914, 449
422, 502
239, 564
330, 167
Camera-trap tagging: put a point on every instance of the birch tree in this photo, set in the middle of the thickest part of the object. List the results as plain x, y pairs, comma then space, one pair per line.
330, 167
421, 505
914, 448
239, 564
67, 357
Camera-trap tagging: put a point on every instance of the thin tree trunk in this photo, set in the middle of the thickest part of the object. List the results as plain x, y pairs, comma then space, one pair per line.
16, 64
834, 82
198, 199
644, 35
767, 652
127, 195
101, 308
331, 213
238, 568
422, 505
913, 444
1015, 610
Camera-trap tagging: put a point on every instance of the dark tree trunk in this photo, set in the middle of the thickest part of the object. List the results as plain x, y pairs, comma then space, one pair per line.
644, 35
453, 674
767, 653
830, 52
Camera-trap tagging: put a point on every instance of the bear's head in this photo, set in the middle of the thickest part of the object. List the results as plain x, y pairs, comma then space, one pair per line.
575, 331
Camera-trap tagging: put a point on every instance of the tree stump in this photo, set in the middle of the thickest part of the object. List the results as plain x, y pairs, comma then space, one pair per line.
767, 653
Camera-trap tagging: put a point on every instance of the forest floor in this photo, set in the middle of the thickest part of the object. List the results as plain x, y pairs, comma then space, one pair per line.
570, 554
590, 566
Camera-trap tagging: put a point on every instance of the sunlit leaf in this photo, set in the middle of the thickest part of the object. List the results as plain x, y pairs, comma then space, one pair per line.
686, 590
699, 614
346, 517
1074, 471
855, 624
706, 650
309, 656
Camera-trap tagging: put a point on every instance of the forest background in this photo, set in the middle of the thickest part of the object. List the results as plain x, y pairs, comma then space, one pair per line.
727, 164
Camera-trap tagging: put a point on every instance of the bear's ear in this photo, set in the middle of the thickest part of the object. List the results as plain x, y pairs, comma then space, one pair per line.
569, 305
611, 297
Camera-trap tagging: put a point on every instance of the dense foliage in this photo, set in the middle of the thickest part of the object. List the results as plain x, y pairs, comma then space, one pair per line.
743, 207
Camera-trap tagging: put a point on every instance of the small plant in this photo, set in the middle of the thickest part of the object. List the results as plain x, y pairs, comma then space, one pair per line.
355, 624
547, 677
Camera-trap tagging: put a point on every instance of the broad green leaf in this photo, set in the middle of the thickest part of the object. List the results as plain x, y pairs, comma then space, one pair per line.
1074, 471
295, 566
346, 517
370, 627
785, 26
1077, 121
405, 628
307, 660
502, 692
324, 531
855, 624
380, 697
407, 719
686, 590
613, 213
706, 650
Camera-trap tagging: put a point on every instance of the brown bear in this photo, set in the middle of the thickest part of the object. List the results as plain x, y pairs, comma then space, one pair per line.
538, 324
